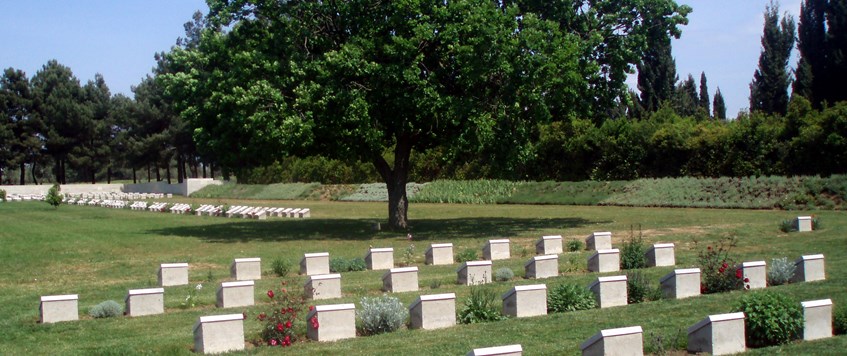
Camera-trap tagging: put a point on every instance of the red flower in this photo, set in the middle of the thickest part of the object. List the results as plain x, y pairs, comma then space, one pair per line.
262, 316
244, 314
282, 310
709, 248
290, 309
270, 294
288, 324
279, 327
724, 265
738, 273
746, 280
311, 307
747, 286
284, 290
721, 270
287, 339
273, 342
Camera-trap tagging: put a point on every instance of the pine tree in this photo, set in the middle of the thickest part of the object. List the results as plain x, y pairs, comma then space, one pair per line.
687, 101
811, 41
656, 71
704, 94
719, 106
769, 89
836, 52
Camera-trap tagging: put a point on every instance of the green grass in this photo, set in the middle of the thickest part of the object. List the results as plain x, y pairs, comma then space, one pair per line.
100, 253
287, 191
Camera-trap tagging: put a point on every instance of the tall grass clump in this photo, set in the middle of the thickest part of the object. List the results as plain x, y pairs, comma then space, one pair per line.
281, 267
381, 314
569, 297
466, 191
481, 306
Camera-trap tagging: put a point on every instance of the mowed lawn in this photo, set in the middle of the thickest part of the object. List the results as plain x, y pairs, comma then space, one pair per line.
101, 253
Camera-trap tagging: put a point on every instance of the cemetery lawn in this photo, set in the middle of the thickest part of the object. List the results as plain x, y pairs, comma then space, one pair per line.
101, 253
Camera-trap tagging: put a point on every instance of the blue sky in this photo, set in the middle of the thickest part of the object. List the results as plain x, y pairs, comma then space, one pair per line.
118, 38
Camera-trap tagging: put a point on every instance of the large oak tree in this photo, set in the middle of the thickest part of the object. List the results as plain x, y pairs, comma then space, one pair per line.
375, 80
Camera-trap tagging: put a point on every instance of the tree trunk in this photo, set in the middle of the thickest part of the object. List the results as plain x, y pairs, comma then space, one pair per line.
180, 169
212, 170
109, 174
23, 174
134, 176
158, 175
148, 172
168, 172
32, 172
395, 181
204, 169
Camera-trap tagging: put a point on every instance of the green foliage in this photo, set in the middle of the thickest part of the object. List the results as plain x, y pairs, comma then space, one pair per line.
466, 192
468, 254
408, 258
107, 309
787, 226
480, 307
839, 320
312, 169
632, 252
281, 266
771, 318
283, 318
780, 271
769, 89
381, 314
54, 197
282, 191
341, 264
574, 245
190, 300
718, 267
569, 297
2, 195
663, 344
379, 192
639, 290
503, 274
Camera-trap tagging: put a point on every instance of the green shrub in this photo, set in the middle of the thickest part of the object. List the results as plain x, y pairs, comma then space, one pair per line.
2, 195
54, 197
632, 252
787, 226
569, 297
816, 223
340, 264
381, 314
663, 344
638, 288
574, 245
465, 191
408, 258
772, 318
481, 306
780, 271
281, 267
718, 267
503, 274
468, 254
839, 320
107, 309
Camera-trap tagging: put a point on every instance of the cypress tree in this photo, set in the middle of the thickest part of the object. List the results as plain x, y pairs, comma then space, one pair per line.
687, 101
769, 89
657, 70
811, 38
836, 52
704, 94
719, 106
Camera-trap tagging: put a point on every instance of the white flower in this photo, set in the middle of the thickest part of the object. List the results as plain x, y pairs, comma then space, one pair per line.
199, 286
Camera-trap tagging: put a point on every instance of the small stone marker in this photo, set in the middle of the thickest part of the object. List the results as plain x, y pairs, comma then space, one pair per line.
660, 255
235, 294
605, 261
380, 258
323, 286
809, 268
315, 263
619, 342
150, 301
219, 333
246, 269
803, 223
433, 311
599, 241
173, 274
398, 280
508, 350
721, 334
525, 301
817, 319
440, 254
754, 274
542, 267
549, 245
334, 322
474, 272
496, 250
681, 283
56, 308
609, 291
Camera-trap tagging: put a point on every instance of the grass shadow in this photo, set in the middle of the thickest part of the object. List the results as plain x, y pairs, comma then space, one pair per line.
362, 229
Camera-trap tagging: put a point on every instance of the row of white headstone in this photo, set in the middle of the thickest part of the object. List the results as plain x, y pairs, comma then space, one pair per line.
260, 213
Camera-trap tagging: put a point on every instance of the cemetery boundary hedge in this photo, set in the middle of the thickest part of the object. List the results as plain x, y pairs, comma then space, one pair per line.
773, 192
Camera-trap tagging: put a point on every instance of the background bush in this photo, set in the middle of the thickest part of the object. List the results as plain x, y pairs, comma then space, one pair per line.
107, 309
481, 306
54, 197
780, 272
772, 318
569, 297
381, 314
503, 274
341, 264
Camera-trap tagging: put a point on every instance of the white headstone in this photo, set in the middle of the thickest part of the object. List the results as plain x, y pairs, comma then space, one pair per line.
398, 280
549, 245
148, 301
660, 255
496, 250
246, 269
809, 268
525, 301
173, 274
627, 341
681, 283
605, 261
474, 272
219, 334
236, 294
599, 241
324, 286
610, 291
542, 267
433, 311
380, 258
334, 322
817, 319
56, 308
721, 334
315, 263
440, 254
508, 350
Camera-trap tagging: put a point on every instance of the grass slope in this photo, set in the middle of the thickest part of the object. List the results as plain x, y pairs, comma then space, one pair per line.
100, 253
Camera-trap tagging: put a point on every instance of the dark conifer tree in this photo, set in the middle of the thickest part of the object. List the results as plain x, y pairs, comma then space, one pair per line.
719, 106
769, 89
811, 41
704, 94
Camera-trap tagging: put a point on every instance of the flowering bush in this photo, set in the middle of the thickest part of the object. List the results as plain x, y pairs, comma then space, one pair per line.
282, 326
191, 299
718, 268
772, 318
381, 315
